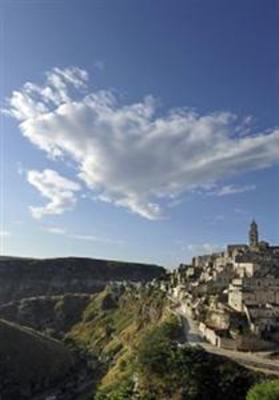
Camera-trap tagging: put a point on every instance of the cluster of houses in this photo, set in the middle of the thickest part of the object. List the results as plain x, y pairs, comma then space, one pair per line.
234, 294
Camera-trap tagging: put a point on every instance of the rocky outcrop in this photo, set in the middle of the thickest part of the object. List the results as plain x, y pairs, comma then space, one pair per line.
24, 278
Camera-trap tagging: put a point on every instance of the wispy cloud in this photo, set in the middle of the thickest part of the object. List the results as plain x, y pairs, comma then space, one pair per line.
129, 155
54, 230
215, 219
99, 64
92, 238
84, 237
58, 189
242, 212
232, 189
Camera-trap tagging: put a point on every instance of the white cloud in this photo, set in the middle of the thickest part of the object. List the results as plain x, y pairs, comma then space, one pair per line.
34, 100
5, 234
232, 189
92, 238
128, 154
59, 190
54, 230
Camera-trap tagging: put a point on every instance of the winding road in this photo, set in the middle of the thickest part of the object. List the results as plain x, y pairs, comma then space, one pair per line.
193, 337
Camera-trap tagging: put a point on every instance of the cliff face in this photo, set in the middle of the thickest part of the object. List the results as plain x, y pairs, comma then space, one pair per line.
22, 278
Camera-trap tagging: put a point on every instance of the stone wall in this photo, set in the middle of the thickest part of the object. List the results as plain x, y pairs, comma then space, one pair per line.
253, 343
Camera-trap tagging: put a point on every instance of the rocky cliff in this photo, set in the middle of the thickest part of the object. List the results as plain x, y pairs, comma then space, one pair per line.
24, 278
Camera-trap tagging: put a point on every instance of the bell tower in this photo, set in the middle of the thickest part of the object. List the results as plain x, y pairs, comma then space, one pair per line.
253, 234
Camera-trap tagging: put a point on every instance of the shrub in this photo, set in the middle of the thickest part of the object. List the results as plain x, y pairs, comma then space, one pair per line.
168, 371
264, 391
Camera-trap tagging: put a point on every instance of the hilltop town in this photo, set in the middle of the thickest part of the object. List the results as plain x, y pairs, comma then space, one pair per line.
232, 295
115, 329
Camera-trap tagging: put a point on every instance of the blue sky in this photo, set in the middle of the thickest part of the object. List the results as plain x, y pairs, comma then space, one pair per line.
148, 130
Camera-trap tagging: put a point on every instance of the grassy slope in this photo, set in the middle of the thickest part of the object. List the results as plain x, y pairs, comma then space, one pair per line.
29, 359
114, 330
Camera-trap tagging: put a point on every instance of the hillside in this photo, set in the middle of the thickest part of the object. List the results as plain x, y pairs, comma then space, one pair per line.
30, 362
139, 344
135, 342
24, 277
112, 326
52, 315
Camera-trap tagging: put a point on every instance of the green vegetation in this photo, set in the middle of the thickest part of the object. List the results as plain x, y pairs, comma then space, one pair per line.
160, 369
112, 327
264, 391
131, 342
137, 340
115, 319
167, 371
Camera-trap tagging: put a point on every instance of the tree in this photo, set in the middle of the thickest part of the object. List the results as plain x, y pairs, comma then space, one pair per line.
264, 391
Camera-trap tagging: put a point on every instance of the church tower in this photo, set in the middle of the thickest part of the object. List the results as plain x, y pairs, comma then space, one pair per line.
253, 235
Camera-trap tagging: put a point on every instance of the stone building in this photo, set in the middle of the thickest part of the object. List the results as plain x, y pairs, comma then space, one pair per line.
244, 280
253, 291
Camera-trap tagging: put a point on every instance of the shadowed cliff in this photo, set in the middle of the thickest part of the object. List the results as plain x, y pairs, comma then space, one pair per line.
23, 277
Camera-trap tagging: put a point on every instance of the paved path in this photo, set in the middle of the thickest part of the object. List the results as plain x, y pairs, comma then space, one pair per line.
191, 331
250, 360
